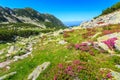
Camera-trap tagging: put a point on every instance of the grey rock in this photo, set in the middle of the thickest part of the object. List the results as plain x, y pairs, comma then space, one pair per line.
118, 66
39, 69
112, 18
11, 49
1, 52
62, 42
3, 64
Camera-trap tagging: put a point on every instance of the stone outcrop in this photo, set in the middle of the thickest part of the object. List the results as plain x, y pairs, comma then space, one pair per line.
36, 72
112, 18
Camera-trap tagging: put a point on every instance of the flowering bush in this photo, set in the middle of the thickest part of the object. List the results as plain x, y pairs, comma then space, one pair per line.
68, 71
105, 32
66, 33
90, 32
110, 42
84, 47
106, 74
77, 46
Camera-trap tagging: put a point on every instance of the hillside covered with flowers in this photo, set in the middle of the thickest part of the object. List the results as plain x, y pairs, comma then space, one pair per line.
90, 51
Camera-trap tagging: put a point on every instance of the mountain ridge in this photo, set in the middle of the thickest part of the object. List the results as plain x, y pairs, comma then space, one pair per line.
27, 15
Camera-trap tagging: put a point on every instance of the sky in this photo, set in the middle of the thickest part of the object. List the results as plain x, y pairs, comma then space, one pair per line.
65, 10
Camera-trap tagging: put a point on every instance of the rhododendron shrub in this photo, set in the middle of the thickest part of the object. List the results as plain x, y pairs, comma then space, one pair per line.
85, 47
110, 43
105, 32
105, 74
90, 32
68, 71
66, 33
82, 46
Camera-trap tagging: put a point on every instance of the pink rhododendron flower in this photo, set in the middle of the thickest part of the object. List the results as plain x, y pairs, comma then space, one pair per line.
70, 73
79, 68
69, 68
77, 46
83, 44
55, 77
60, 66
91, 53
110, 42
77, 62
109, 75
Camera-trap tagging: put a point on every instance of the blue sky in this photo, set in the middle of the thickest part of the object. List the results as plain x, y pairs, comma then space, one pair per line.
65, 10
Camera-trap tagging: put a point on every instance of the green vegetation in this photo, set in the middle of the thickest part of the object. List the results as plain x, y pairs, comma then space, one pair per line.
111, 9
65, 55
8, 32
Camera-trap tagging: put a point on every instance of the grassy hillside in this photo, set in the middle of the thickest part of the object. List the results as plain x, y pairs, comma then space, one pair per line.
67, 61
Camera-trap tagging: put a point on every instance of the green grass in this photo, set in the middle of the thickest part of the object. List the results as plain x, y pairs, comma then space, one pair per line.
56, 53
3, 45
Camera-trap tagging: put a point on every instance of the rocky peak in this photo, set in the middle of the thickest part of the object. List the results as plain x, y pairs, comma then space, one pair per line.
27, 15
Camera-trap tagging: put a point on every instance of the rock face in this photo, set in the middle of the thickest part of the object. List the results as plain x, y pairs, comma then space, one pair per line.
3, 64
112, 18
27, 15
34, 75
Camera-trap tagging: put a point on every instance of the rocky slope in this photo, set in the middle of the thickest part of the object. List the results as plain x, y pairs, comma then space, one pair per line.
27, 15
109, 16
112, 18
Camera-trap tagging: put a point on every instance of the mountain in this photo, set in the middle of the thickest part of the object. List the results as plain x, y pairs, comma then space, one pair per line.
109, 16
28, 15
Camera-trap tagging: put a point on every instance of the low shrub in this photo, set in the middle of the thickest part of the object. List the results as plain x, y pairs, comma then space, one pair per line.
9, 35
84, 47
68, 71
105, 74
